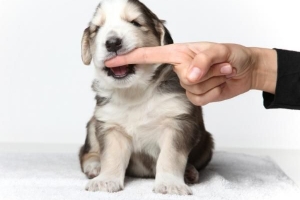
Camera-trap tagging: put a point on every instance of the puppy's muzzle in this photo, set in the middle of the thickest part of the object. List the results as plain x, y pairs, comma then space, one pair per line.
113, 44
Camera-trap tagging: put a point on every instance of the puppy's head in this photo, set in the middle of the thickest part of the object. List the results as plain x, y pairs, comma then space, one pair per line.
118, 27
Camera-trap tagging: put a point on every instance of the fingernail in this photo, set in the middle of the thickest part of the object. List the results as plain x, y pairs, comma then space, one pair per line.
194, 74
227, 69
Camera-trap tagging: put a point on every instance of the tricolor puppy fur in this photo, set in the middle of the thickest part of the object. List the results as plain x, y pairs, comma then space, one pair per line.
143, 124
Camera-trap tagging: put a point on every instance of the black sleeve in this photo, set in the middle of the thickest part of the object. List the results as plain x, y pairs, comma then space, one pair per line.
287, 93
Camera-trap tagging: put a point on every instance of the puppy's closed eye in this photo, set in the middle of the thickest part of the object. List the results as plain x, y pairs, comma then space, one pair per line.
135, 23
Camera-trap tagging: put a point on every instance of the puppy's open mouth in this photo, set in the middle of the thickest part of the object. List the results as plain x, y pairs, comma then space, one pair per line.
121, 71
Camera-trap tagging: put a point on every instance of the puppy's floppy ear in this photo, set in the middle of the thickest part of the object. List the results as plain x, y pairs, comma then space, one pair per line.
86, 54
165, 36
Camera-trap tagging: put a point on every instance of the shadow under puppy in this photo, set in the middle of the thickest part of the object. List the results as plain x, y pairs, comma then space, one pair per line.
143, 124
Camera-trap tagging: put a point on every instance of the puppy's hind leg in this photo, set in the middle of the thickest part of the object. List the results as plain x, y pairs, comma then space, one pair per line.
89, 154
191, 174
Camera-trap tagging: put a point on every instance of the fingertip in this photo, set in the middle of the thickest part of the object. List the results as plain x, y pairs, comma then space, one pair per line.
194, 74
226, 69
116, 61
110, 62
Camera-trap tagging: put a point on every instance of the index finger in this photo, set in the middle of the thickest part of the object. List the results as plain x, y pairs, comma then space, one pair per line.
145, 55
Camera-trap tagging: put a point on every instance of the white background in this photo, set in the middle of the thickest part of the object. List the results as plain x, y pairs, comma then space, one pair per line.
45, 88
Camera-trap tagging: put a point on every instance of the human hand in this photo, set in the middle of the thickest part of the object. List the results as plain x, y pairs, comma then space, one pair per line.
211, 72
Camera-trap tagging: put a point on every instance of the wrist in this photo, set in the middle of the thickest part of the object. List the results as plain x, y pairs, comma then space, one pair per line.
264, 74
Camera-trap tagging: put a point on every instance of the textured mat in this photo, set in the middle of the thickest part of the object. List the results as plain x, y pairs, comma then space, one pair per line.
58, 176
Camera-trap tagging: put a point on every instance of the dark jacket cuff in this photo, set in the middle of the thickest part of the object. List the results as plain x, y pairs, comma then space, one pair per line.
287, 93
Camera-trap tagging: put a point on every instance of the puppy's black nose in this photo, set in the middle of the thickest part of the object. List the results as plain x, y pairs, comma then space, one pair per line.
113, 44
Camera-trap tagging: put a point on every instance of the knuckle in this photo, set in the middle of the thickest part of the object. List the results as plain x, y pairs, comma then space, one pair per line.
199, 89
195, 99
225, 50
194, 89
218, 80
183, 85
208, 58
202, 58
216, 94
185, 81
199, 101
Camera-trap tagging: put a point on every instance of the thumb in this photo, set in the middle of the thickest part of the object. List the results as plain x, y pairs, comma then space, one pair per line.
207, 64
202, 72
222, 69
198, 68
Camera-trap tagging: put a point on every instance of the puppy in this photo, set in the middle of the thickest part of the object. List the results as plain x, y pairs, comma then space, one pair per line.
143, 124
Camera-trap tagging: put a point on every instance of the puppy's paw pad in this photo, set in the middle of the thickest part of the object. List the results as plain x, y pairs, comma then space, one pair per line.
179, 189
92, 170
103, 185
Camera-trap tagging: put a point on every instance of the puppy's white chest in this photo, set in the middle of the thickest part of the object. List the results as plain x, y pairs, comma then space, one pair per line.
142, 118
131, 118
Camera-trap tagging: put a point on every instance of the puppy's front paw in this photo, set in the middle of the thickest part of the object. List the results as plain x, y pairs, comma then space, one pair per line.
172, 188
92, 169
107, 185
